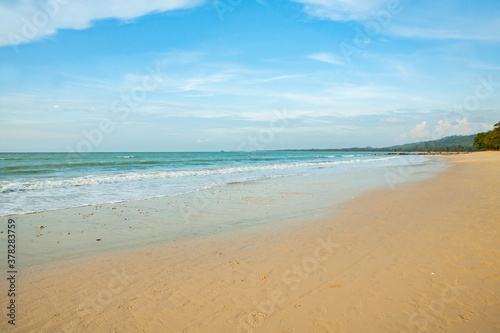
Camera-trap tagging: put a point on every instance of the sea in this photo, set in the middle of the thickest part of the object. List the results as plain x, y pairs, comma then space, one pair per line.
37, 182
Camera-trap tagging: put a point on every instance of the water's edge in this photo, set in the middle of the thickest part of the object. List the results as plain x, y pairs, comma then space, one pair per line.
74, 232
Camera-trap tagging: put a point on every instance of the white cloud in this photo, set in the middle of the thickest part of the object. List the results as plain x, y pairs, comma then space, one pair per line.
394, 120
341, 10
459, 127
328, 58
446, 128
420, 131
204, 140
30, 20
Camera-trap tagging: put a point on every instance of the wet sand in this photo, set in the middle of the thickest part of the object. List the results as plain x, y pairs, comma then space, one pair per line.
421, 257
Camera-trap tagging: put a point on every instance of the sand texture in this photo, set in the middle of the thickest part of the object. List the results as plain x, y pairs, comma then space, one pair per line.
424, 257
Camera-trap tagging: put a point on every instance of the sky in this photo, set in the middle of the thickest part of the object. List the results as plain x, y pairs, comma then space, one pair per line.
195, 75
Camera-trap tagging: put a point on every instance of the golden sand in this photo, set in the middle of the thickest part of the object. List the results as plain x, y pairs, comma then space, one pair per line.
422, 258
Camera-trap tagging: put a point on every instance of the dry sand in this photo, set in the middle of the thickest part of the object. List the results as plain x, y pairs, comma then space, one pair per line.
425, 257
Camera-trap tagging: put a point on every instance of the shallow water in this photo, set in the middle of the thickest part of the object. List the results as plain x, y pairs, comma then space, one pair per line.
234, 206
47, 181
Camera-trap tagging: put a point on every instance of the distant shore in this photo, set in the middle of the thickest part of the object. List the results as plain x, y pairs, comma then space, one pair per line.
433, 153
422, 256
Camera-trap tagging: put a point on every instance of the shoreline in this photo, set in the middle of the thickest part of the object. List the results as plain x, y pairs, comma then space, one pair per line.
149, 175
380, 262
66, 234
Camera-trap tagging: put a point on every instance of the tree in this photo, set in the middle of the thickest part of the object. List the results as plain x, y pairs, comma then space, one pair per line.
478, 141
488, 140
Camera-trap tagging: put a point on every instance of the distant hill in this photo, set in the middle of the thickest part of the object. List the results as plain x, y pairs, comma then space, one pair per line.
449, 143
454, 143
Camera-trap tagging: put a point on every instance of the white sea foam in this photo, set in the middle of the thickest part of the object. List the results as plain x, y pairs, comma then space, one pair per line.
135, 176
100, 179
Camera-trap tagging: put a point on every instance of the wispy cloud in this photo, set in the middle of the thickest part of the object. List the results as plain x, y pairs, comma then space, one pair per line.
282, 77
485, 66
394, 120
328, 58
341, 10
478, 32
30, 20
414, 20
200, 83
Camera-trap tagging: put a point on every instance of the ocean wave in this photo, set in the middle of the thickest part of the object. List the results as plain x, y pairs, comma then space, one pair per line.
71, 165
135, 176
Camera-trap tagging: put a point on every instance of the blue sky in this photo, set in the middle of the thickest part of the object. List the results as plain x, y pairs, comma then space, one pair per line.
194, 75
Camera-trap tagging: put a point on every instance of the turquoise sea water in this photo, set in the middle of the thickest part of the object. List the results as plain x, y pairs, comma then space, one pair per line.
31, 182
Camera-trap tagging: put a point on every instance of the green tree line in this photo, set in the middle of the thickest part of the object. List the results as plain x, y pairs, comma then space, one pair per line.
488, 140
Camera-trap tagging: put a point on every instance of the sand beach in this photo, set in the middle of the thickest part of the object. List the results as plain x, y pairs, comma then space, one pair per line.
420, 257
